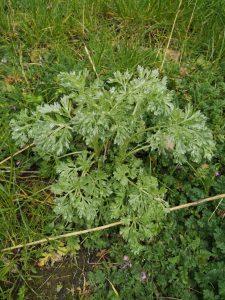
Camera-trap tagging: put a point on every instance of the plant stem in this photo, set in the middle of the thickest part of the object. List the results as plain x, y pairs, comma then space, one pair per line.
77, 233
187, 205
135, 150
16, 153
170, 37
96, 147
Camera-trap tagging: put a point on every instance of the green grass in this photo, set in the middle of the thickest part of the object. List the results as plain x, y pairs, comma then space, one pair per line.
39, 39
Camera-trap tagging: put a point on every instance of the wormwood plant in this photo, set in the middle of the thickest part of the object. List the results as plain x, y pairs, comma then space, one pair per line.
101, 136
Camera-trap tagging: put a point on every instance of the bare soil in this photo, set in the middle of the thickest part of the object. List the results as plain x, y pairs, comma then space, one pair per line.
66, 280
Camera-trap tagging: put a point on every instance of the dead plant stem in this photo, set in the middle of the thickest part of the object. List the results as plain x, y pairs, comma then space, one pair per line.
16, 153
77, 233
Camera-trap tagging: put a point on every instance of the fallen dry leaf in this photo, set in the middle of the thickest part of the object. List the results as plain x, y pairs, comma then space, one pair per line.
53, 256
204, 166
13, 79
102, 254
173, 55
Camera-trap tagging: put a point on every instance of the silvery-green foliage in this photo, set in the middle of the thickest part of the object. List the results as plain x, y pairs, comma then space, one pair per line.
48, 128
80, 190
73, 81
138, 202
22, 126
185, 134
108, 123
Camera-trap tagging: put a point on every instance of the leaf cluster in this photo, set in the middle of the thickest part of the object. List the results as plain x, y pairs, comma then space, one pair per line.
112, 127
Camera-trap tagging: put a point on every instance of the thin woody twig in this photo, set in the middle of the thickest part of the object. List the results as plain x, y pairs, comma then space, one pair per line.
77, 233
187, 205
66, 235
16, 153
